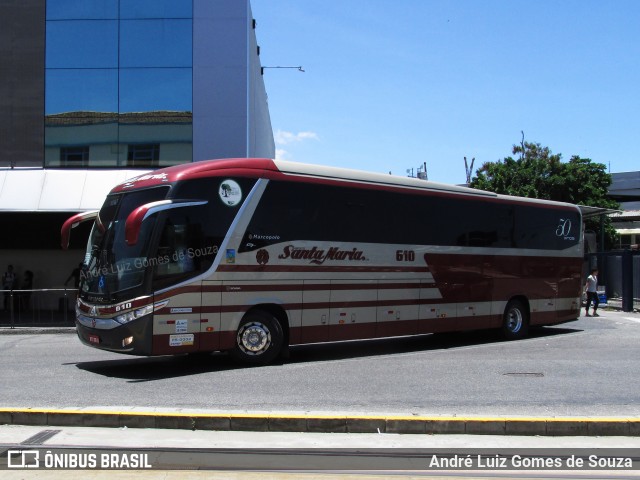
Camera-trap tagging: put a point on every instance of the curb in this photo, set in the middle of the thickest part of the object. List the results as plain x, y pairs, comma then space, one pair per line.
5, 330
552, 426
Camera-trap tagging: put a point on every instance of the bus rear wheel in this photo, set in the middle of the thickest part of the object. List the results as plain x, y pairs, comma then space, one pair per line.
515, 323
259, 338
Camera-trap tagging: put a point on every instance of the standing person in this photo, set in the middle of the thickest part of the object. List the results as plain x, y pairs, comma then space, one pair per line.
75, 274
591, 289
8, 282
25, 297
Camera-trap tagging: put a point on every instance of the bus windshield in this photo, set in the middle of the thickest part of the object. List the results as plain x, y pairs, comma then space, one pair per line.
173, 244
110, 265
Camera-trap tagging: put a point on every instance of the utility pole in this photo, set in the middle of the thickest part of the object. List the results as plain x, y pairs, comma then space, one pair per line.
422, 172
469, 169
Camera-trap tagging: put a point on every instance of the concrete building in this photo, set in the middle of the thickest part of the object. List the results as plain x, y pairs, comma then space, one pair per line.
625, 188
96, 91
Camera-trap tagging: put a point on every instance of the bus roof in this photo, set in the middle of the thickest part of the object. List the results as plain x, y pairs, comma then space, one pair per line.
286, 170
262, 167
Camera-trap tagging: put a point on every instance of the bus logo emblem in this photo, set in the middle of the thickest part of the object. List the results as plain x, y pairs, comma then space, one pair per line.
230, 193
262, 256
564, 229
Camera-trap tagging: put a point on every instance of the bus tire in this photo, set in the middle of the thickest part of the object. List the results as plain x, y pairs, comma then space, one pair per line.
515, 322
259, 338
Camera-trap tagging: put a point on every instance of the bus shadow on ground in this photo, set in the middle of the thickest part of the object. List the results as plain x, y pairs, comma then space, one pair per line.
412, 344
137, 370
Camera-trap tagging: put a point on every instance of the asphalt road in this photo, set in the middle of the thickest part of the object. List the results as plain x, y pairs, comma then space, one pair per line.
589, 367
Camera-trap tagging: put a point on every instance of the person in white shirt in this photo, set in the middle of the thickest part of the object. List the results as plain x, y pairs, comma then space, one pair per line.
591, 289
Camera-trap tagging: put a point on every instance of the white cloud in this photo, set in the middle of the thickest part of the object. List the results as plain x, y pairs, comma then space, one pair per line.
283, 137
281, 154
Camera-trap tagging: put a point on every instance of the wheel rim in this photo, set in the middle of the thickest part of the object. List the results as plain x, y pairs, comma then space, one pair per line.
514, 320
254, 338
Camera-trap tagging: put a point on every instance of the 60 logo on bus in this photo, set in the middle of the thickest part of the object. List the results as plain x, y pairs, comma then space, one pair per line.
564, 229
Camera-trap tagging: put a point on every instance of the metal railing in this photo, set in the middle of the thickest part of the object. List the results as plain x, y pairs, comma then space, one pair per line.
38, 307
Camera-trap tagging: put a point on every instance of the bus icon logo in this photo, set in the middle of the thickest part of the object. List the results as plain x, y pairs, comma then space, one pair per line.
23, 459
230, 193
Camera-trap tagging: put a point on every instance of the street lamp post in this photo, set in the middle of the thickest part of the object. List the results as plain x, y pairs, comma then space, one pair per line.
299, 68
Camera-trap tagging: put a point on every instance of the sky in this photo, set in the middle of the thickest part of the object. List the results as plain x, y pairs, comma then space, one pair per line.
391, 84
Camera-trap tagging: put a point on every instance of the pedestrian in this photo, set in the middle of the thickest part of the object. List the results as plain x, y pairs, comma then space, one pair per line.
75, 274
8, 282
25, 297
591, 289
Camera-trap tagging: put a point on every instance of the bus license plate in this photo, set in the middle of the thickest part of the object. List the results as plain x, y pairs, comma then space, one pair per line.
94, 339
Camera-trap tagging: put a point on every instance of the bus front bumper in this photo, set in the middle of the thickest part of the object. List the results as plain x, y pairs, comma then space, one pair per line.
133, 338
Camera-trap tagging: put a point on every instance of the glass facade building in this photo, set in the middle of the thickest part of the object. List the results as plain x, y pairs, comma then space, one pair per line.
127, 84
94, 92
118, 83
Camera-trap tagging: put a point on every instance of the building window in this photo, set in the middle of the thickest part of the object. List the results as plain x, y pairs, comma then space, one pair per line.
126, 88
74, 156
147, 155
625, 241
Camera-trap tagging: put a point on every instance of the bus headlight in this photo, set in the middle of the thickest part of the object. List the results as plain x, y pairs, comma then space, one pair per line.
133, 314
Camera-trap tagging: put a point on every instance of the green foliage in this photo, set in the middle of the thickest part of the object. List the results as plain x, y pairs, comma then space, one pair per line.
538, 173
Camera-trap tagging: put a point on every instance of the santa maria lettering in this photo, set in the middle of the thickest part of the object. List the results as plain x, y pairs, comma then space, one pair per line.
318, 256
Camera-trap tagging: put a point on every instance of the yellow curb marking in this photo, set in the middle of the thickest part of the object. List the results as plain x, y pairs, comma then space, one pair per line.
321, 416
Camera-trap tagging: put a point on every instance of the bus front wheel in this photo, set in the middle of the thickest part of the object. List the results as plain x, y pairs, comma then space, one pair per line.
515, 323
259, 338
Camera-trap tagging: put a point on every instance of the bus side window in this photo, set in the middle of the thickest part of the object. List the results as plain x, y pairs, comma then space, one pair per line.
167, 243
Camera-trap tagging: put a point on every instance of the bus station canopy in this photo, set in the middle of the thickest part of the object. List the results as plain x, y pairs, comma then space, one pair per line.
64, 190
588, 212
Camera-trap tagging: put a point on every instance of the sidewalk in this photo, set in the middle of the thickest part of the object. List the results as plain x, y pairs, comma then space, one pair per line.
616, 304
322, 422
312, 456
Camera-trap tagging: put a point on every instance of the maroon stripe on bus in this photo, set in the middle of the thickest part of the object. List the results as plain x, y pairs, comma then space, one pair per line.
306, 287
462, 278
311, 268
178, 291
230, 287
364, 330
324, 305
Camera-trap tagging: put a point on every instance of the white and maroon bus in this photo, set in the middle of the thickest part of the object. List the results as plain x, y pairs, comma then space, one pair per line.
253, 255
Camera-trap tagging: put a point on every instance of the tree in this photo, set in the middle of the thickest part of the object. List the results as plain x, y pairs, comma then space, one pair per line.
538, 173
226, 189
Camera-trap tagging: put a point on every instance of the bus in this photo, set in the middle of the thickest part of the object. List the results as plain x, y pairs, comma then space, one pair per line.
250, 256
